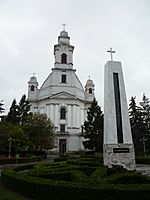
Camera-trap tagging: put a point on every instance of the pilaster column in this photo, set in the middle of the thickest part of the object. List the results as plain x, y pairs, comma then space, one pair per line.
69, 116
82, 116
47, 110
74, 116
52, 112
78, 117
56, 115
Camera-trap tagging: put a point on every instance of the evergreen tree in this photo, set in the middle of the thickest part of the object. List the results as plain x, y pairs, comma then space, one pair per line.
137, 124
93, 128
13, 114
146, 110
146, 120
23, 109
4, 135
1, 107
18, 113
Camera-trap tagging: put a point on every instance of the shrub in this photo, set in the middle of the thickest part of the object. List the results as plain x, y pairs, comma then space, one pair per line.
60, 159
72, 183
87, 170
78, 176
64, 175
83, 162
115, 170
130, 178
49, 167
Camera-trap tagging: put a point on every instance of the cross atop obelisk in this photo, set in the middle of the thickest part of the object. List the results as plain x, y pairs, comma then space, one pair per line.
111, 53
64, 25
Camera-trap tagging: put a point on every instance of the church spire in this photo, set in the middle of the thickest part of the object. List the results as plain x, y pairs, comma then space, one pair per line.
89, 90
63, 51
64, 25
32, 87
63, 37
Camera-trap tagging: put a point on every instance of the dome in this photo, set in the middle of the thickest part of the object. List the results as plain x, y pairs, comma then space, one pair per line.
64, 34
33, 79
89, 82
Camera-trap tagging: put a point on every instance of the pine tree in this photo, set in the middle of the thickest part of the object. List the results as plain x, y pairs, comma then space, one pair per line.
146, 110
13, 114
137, 124
146, 120
23, 109
1, 106
18, 113
93, 128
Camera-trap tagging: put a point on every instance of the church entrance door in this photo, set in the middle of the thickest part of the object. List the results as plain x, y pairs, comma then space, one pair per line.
62, 146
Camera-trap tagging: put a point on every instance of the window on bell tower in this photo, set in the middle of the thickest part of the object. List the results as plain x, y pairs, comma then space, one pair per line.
90, 90
64, 58
32, 87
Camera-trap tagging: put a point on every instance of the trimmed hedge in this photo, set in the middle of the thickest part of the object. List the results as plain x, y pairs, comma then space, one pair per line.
64, 158
130, 178
39, 171
38, 188
78, 176
81, 187
84, 162
97, 159
64, 175
60, 159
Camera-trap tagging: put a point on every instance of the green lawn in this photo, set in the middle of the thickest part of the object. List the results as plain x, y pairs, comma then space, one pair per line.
6, 194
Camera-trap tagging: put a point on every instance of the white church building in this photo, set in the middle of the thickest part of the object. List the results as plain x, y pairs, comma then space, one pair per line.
63, 98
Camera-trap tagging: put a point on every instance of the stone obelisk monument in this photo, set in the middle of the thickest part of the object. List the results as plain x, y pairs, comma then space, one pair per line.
118, 144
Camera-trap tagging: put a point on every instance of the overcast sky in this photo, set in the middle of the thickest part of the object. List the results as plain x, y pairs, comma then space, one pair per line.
29, 29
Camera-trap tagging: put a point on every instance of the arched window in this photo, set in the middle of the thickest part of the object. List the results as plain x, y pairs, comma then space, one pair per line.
90, 90
63, 113
32, 87
64, 58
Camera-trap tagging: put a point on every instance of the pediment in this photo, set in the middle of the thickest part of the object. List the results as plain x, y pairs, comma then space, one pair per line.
63, 95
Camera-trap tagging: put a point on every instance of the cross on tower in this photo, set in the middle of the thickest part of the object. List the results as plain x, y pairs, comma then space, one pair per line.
111, 53
33, 74
89, 77
64, 25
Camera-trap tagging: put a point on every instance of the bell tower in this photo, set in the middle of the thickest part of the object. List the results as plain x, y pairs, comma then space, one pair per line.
89, 90
63, 51
32, 88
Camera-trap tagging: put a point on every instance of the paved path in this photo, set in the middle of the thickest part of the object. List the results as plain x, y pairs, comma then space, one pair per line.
49, 158
144, 169
5, 166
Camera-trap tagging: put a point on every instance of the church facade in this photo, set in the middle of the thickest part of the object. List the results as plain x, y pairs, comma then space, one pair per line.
63, 98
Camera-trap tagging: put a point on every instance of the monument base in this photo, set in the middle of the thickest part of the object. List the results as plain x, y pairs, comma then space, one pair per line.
119, 154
